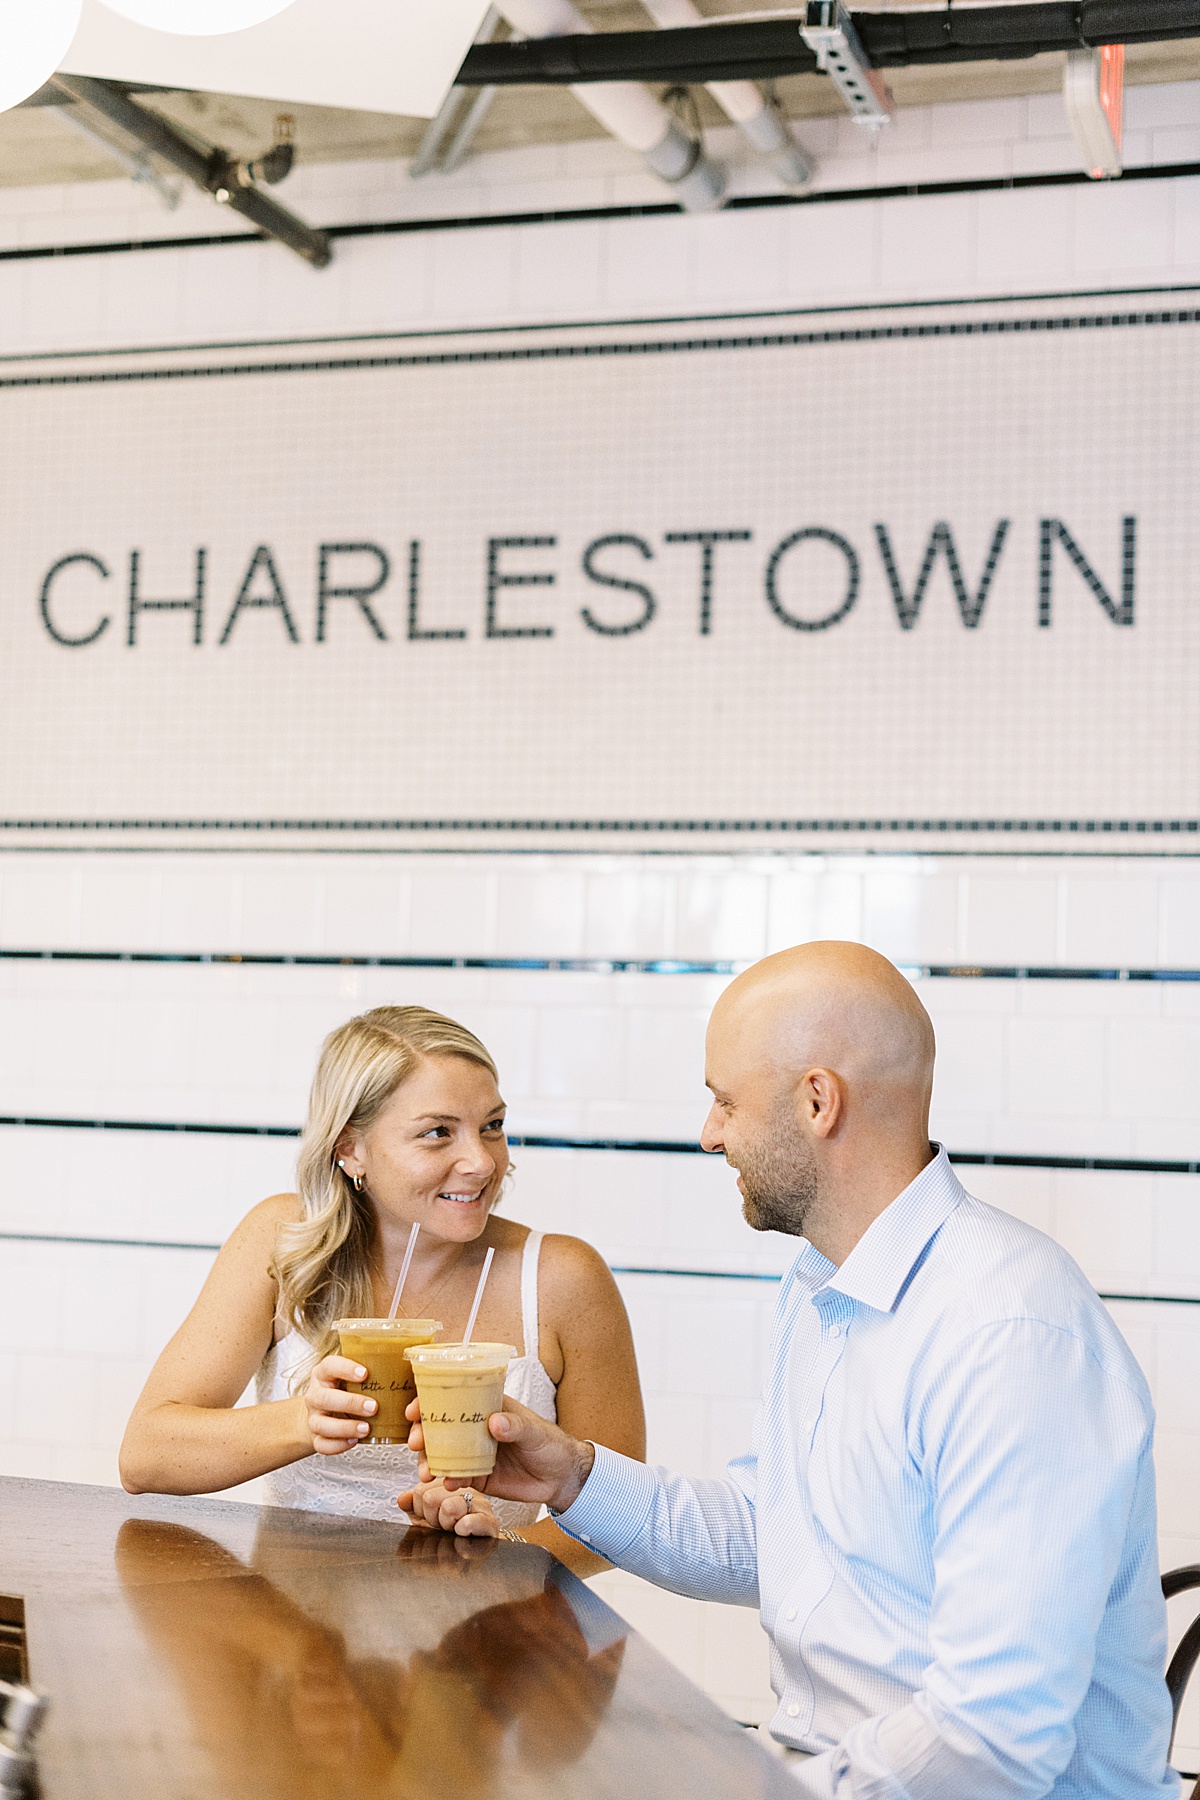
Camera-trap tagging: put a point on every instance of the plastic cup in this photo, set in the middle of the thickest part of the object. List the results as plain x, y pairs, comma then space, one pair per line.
460, 1386
382, 1346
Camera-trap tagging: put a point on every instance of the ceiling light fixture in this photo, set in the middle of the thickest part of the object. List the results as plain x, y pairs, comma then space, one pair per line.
33, 40
197, 18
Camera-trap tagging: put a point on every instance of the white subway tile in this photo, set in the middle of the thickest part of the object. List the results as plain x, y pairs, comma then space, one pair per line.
41, 902
629, 914
1011, 919
927, 245
1107, 1225
722, 914
1180, 894
1123, 230
1110, 922
911, 915
541, 914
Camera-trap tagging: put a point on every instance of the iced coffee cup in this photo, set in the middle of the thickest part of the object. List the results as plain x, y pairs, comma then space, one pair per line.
460, 1386
382, 1346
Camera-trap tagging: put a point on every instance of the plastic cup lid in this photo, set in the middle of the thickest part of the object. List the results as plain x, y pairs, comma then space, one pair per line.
463, 1355
387, 1324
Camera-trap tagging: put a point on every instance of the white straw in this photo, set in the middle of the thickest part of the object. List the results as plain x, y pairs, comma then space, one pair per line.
487, 1263
404, 1267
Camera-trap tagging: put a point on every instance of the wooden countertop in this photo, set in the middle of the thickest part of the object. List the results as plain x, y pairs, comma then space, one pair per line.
210, 1650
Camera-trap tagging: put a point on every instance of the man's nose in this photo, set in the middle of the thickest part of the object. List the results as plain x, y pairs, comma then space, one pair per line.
710, 1137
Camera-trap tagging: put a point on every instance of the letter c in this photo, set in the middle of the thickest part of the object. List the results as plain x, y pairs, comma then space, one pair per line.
73, 643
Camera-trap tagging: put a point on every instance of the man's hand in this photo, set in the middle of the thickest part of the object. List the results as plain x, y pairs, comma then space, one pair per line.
535, 1461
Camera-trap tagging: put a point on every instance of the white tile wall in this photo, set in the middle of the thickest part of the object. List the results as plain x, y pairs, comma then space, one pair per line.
1062, 1068
1065, 1067
854, 251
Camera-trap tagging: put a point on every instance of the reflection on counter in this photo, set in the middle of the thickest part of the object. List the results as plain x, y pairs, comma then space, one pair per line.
287, 1705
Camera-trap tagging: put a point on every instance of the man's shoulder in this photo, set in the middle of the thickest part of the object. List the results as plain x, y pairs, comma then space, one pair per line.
994, 1269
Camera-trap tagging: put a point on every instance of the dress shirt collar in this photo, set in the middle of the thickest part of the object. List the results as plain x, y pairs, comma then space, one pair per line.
885, 1256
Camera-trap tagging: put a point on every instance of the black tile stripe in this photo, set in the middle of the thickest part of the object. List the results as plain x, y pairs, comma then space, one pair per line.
115, 1243
644, 1146
1154, 828
648, 322
913, 190
586, 965
568, 352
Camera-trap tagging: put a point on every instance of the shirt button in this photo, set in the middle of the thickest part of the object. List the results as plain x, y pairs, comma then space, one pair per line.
585, 1537
793, 1711
835, 1331
791, 1612
807, 1425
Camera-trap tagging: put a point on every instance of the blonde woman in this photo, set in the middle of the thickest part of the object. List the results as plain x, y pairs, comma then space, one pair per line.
405, 1124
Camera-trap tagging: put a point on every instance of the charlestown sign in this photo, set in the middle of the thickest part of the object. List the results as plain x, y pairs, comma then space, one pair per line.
601, 561
939, 575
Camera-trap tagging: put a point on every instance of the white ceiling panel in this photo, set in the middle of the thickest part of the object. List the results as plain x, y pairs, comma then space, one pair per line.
388, 56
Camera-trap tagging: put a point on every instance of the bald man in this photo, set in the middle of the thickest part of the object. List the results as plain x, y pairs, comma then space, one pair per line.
947, 1518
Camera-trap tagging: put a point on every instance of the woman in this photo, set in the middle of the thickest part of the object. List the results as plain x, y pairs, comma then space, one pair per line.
405, 1125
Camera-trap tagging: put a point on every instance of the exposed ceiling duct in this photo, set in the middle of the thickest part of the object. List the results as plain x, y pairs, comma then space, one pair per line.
760, 123
624, 108
765, 49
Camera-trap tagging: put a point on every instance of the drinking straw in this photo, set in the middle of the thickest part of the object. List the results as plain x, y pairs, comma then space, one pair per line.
474, 1314
404, 1266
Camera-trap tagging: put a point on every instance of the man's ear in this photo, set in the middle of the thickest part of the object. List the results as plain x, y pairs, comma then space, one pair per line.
821, 1101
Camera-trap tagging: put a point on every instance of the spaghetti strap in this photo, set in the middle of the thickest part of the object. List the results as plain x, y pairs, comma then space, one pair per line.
529, 1292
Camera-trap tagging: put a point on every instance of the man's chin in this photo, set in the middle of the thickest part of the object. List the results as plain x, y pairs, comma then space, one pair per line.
751, 1214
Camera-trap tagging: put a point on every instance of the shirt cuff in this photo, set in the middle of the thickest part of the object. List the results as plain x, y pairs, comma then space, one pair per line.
614, 1505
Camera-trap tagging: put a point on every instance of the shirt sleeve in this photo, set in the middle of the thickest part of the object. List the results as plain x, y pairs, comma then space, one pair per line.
694, 1537
1038, 1464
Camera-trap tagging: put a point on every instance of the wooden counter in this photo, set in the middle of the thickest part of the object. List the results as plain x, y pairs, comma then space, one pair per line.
208, 1650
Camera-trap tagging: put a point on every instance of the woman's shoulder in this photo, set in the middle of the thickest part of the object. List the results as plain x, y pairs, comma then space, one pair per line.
262, 1224
569, 1265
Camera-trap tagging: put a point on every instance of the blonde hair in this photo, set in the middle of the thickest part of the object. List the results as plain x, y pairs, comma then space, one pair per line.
322, 1263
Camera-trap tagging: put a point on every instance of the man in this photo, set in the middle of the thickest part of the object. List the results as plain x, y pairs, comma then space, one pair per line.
947, 1519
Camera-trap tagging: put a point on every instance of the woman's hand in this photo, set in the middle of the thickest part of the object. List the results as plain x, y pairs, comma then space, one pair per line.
447, 1509
336, 1420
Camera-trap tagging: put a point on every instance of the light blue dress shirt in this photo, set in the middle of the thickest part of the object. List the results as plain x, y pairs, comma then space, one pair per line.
947, 1520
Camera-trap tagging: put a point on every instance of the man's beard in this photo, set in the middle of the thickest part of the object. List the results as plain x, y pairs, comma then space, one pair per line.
779, 1179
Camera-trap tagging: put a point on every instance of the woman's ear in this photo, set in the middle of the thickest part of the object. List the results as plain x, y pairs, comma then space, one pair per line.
347, 1153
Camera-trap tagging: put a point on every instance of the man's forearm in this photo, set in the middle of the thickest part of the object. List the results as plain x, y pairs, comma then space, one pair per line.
697, 1538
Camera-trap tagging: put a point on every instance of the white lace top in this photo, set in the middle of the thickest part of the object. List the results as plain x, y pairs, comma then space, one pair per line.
365, 1481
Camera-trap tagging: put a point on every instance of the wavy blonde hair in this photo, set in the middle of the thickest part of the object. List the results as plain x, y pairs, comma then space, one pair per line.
323, 1261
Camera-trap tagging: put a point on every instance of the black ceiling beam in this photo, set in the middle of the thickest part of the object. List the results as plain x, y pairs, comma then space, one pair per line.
759, 50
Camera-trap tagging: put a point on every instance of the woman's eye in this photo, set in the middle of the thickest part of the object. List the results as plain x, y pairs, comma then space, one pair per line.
494, 1125
436, 1131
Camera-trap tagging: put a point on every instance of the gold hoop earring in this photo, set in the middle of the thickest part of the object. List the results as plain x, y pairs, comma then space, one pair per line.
356, 1179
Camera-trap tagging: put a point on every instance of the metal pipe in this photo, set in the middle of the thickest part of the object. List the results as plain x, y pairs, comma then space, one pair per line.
626, 109
762, 49
451, 118
759, 122
436, 132
216, 172
466, 128
138, 168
